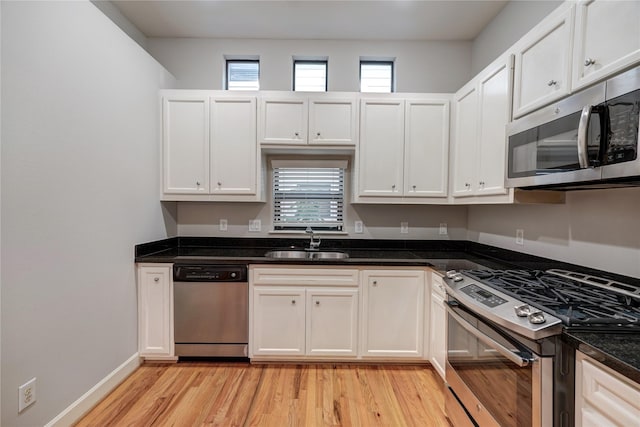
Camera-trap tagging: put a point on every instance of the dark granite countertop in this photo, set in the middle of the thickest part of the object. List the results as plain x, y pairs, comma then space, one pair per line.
620, 351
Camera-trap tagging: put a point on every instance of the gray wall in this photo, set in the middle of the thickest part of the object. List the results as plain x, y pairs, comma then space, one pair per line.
594, 228
420, 66
513, 21
80, 174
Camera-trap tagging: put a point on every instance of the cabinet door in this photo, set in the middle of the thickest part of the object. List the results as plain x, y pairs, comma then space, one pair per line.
185, 144
607, 39
543, 65
332, 322
381, 154
332, 121
494, 111
283, 121
465, 137
437, 333
393, 313
234, 154
278, 321
155, 311
426, 148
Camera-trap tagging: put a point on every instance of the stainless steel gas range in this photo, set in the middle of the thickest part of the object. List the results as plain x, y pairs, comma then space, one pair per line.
507, 364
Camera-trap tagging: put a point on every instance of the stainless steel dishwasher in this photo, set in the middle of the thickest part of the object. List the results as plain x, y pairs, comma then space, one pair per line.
211, 310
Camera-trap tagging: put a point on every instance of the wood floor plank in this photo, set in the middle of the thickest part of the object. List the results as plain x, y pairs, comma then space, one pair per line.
193, 394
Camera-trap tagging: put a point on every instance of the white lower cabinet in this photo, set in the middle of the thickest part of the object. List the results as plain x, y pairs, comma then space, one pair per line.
392, 313
311, 313
303, 312
604, 397
438, 326
155, 311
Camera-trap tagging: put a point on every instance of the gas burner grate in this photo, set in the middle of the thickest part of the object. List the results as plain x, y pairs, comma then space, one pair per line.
575, 302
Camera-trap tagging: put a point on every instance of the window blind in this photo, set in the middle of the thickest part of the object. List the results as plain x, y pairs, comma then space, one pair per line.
308, 197
243, 75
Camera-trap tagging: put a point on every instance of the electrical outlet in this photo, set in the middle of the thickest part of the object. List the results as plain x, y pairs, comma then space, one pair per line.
520, 236
26, 394
255, 225
358, 226
443, 228
404, 227
223, 225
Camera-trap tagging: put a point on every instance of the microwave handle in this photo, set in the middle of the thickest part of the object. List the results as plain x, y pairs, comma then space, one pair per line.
583, 126
521, 362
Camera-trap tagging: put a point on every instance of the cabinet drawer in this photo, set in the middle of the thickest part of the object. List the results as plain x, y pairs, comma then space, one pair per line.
304, 276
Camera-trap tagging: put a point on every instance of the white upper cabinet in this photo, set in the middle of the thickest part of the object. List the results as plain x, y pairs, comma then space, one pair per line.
404, 149
283, 120
426, 148
185, 144
543, 63
209, 146
333, 121
482, 110
297, 119
607, 39
381, 154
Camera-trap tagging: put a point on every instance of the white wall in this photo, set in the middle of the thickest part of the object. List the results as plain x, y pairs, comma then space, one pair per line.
513, 21
420, 66
380, 221
594, 228
80, 173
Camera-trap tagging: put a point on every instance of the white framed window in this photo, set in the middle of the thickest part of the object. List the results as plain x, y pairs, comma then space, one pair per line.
308, 193
243, 74
309, 76
376, 76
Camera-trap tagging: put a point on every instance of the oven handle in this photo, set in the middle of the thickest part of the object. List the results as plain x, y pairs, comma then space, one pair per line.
583, 126
520, 361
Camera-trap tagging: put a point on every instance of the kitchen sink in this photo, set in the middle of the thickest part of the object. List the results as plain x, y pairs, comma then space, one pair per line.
299, 254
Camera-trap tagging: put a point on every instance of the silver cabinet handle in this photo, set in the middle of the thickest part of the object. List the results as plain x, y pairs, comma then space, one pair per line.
589, 61
156, 279
552, 83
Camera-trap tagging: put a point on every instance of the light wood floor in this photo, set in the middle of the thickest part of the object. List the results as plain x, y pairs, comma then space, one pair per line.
240, 394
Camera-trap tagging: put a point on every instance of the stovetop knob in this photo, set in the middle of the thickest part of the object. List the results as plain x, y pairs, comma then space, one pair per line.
536, 317
522, 310
451, 274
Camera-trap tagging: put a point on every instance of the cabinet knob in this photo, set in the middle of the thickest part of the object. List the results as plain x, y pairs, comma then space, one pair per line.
219, 184
156, 279
393, 187
466, 184
375, 283
414, 187
317, 302
589, 61
198, 183
318, 134
552, 83
297, 134
481, 183
293, 301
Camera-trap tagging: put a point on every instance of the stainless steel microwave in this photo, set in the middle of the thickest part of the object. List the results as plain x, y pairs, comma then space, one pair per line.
587, 140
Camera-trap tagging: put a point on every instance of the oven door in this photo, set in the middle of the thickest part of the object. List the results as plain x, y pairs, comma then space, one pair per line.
495, 379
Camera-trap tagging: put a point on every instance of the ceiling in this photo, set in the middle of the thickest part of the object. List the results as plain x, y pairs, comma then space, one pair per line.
312, 19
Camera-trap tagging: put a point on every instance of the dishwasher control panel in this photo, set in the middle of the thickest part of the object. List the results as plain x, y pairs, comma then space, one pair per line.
209, 273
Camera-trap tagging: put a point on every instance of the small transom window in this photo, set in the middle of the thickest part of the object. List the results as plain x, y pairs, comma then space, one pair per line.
243, 75
376, 76
309, 76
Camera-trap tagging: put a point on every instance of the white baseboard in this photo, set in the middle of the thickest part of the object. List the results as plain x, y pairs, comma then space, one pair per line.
80, 407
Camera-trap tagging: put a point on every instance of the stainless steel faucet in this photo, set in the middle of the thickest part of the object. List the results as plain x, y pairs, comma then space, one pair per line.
314, 243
